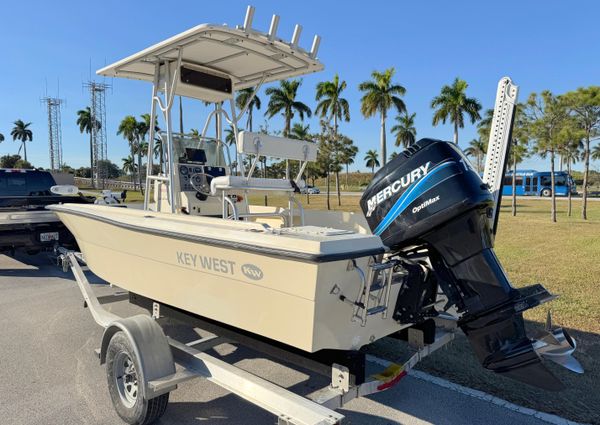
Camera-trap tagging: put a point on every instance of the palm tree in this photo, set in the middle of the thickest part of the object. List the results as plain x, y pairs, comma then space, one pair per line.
128, 128
484, 127
230, 136
84, 121
405, 130
379, 96
142, 130
300, 131
349, 152
242, 99
283, 100
330, 101
371, 160
1, 137
393, 156
477, 149
129, 165
596, 153
334, 106
22, 133
453, 103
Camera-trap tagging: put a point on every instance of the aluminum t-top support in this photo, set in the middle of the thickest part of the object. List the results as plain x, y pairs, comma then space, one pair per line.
162, 72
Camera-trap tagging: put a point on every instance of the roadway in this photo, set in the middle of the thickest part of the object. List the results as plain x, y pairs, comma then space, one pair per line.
49, 374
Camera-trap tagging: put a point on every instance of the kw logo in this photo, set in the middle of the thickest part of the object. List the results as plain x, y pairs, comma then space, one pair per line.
252, 272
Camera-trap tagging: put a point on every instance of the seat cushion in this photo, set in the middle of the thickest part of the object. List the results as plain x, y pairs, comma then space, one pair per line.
253, 183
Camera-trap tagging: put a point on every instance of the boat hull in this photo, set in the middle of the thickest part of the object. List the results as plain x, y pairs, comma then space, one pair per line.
286, 299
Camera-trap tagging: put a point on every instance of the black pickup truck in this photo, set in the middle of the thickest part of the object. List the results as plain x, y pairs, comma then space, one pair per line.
25, 224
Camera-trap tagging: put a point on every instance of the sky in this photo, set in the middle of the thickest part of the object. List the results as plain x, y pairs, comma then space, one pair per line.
54, 47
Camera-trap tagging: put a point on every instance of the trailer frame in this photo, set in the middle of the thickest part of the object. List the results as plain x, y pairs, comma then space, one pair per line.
159, 375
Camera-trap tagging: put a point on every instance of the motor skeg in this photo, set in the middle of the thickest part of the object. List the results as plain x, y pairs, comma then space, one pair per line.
429, 196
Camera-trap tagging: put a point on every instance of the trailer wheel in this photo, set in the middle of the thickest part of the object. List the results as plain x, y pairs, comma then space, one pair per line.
125, 384
546, 192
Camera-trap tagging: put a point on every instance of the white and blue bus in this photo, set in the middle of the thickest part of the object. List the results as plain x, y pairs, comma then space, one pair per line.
537, 183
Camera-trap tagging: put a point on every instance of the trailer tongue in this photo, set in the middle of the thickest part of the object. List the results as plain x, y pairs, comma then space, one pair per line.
439, 218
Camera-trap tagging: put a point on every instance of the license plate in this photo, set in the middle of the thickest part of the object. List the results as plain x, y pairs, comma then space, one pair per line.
49, 236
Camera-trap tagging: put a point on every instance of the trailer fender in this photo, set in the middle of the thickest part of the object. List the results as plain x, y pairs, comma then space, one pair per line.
149, 343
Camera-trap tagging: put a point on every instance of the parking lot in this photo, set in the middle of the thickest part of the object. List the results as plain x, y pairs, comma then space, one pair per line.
49, 373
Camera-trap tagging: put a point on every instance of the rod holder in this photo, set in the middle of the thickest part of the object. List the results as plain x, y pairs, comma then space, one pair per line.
296, 35
315, 46
248, 19
273, 27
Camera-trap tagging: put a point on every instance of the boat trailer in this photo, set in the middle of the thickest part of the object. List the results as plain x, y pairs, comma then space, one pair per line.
149, 369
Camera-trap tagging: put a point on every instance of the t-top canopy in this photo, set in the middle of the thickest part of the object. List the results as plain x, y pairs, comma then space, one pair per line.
245, 55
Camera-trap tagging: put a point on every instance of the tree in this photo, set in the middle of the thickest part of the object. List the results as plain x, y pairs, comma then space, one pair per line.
379, 96
141, 132
9, 161
547, 116
584, 105
128, 128
452, 103
328, 158
519, 149
331, 104
64, 168
405, 130
22, 133
112, 170
230, 136
1, 137
477, 149
21, 163
484, 127
83, 172
340, 147
300, 132
242, 99
129, 166
393, 156
349, 151
371, 160
84, 121
569, 146
283, 100
596, 153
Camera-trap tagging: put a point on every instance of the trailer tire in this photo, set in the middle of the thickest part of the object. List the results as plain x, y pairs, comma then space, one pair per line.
125, 384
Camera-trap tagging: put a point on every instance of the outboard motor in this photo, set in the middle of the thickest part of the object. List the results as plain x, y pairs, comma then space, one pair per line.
432, 210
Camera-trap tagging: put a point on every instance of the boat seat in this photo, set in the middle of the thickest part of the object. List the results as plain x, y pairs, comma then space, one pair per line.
225, 183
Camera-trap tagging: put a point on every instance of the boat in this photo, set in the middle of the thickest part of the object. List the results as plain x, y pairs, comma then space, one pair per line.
312, 280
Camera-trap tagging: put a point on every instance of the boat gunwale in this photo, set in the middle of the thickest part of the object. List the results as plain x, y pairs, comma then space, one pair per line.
242, 246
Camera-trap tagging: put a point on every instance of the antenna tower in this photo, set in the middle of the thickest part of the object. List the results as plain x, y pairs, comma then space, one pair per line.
98, 118
53, 106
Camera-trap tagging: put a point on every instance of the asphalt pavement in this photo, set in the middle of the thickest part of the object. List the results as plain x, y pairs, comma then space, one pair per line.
50, 375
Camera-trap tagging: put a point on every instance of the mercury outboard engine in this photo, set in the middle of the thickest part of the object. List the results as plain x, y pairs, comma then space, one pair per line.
433, 211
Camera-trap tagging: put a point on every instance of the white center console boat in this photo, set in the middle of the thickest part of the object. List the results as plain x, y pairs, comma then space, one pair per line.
313, 281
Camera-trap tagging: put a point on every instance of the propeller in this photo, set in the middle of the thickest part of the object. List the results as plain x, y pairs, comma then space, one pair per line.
557, 345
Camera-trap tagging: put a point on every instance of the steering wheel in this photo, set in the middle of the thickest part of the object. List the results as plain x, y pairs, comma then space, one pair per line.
201, 183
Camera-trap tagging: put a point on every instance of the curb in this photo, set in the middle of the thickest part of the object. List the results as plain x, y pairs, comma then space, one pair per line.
546, 417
